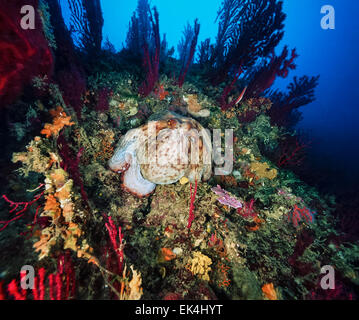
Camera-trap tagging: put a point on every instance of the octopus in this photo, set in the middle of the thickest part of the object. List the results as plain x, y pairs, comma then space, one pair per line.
162, 152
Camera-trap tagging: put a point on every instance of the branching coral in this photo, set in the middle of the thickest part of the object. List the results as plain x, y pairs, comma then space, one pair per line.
117, 245
70, 75
151, 63
87, 23
298, 214
284, 111
191, 205
19, 208
264, 78
246, 32
292, 151
23, 54
248, 211
116, 275
139, 31
187, 50
60, 285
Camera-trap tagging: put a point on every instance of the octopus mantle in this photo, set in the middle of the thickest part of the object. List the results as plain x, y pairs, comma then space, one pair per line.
162, 152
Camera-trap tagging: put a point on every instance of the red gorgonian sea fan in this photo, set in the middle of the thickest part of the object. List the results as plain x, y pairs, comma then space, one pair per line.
18, 209
24, 54
247, 210
58, 286
301, 214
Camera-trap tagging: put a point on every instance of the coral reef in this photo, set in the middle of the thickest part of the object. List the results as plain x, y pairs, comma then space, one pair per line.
258, 232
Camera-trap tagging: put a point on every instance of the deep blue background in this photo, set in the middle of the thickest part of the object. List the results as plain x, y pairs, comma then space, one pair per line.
332, 120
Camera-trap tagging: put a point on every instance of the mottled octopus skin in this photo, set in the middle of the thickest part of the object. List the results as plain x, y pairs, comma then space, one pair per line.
135, 159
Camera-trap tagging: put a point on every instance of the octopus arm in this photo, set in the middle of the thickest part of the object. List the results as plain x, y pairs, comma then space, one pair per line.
134, 182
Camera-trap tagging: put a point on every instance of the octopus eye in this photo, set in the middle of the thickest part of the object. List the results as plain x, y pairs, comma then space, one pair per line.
171, 123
